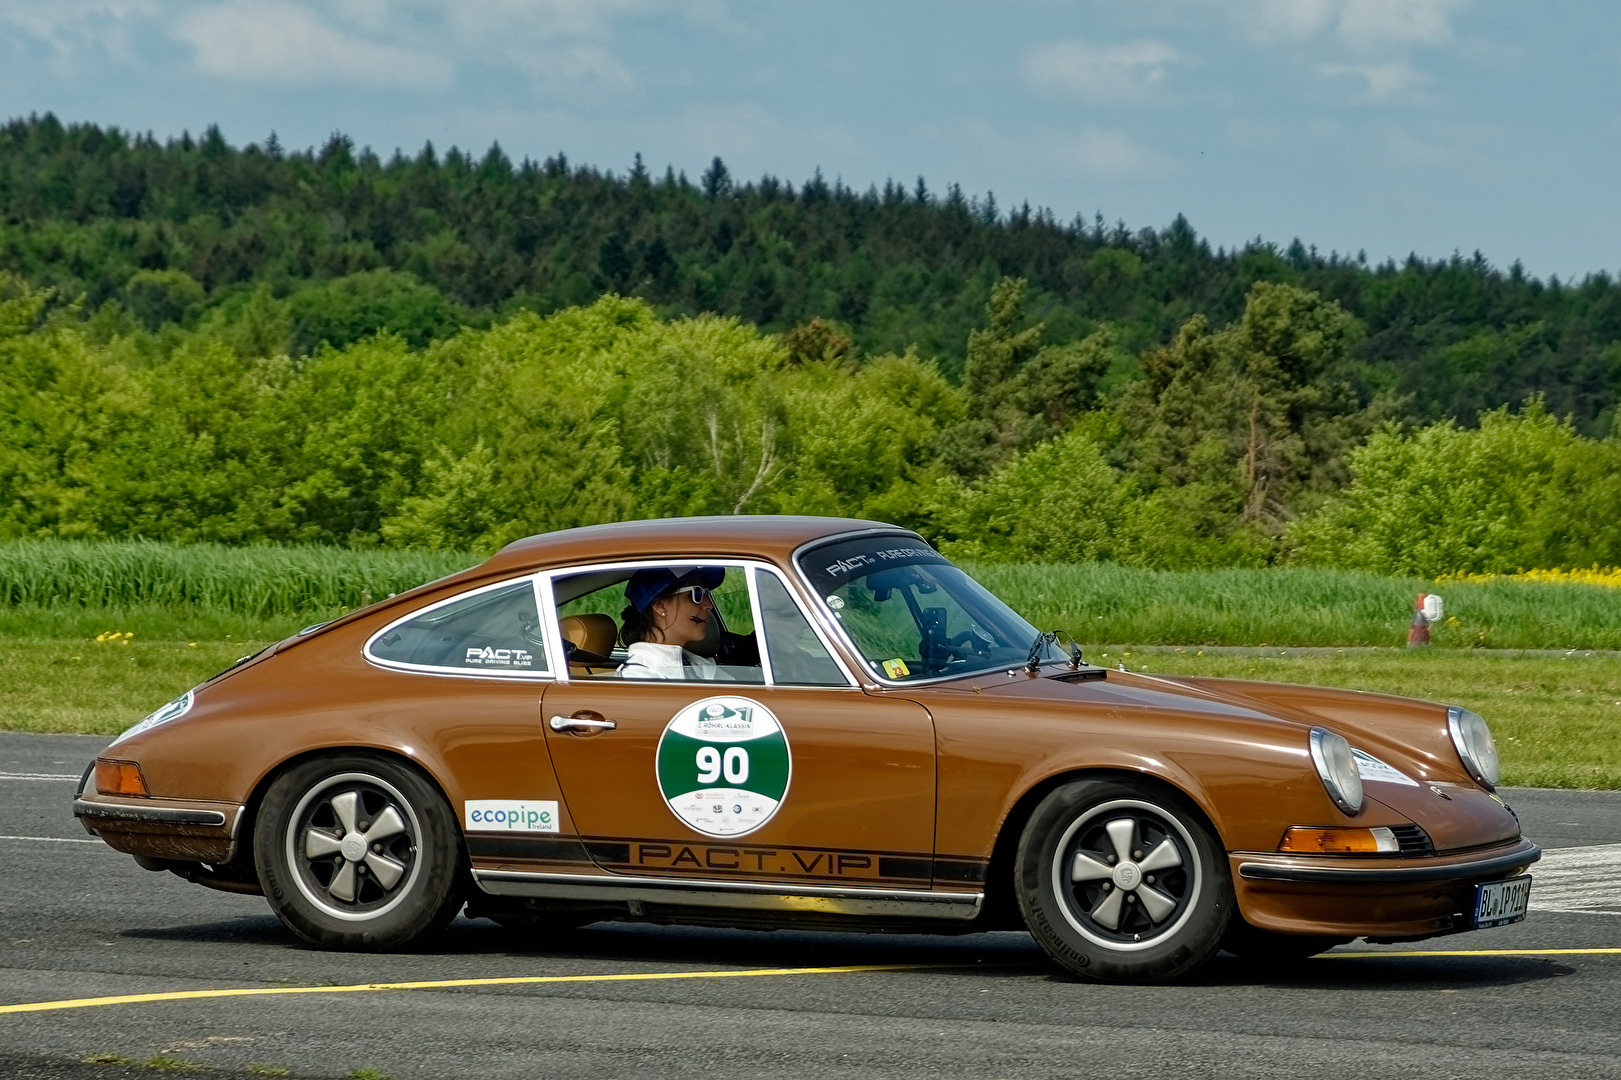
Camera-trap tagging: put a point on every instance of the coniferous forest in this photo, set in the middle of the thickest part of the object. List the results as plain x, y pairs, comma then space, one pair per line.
204, 341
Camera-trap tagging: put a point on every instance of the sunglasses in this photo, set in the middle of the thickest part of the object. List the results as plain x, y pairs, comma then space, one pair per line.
699, 593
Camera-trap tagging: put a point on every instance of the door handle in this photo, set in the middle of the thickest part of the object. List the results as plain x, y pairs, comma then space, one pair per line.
579, 724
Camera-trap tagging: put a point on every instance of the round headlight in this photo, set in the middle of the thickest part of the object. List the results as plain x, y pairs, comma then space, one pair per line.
1476, 747
1337, 766
180, 706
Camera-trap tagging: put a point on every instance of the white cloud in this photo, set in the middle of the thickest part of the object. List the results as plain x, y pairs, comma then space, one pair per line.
1370, 42
560, 45
1384, 81
498, 21
72, 29
1285, 20
1369, 25
1130, 71
1097, 152
281, 44
1363, 26
574, 66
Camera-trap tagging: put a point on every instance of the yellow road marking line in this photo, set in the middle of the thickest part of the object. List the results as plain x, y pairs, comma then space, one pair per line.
1470, 952
655, 976
512, 980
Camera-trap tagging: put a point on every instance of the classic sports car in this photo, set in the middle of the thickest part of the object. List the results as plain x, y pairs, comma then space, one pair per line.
812, 722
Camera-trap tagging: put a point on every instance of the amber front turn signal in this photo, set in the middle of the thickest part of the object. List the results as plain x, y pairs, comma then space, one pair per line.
1311, 840
119, 778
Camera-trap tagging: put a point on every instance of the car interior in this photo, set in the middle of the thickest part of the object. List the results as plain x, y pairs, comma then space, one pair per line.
588, 605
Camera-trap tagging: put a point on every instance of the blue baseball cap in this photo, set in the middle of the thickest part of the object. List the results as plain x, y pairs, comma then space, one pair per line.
646, 586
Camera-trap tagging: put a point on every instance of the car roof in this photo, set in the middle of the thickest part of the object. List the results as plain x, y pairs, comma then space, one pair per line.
767, 536
773, 537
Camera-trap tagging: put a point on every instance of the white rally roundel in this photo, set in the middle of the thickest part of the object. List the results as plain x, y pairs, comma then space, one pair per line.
723, 765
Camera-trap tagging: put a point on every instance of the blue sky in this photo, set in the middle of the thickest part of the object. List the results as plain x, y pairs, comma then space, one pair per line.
1387, 126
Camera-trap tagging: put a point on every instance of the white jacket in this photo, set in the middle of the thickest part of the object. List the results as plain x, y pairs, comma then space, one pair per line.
652, 660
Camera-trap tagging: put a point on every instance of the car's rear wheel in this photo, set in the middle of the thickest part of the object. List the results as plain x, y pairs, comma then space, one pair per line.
1123, 882
357, 851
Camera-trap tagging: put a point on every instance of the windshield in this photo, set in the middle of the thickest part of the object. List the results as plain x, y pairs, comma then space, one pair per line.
911, 614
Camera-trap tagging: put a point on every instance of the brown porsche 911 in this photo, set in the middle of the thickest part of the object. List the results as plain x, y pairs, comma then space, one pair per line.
810, 722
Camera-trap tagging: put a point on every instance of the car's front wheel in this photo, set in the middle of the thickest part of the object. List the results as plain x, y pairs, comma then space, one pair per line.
1123, 882
356, 851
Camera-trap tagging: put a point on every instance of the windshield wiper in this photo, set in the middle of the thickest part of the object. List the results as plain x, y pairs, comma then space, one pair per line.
1075, 660
1032, 662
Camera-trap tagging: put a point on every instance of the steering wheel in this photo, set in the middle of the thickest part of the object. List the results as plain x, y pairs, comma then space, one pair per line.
978, 643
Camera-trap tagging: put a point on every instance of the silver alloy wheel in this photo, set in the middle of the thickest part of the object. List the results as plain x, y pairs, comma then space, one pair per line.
1126, 874
352, 844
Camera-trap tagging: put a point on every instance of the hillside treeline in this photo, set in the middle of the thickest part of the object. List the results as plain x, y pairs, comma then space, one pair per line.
1242, 444
154, 234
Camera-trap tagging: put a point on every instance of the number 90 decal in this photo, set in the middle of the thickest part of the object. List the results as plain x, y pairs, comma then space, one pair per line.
712, 764
724, 765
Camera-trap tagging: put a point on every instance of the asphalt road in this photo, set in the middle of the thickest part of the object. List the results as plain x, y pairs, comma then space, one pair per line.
80, 921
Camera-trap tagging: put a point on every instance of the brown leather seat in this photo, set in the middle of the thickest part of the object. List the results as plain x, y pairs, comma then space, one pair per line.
593, 633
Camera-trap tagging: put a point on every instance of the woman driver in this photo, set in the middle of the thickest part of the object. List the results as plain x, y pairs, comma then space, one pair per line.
666, 614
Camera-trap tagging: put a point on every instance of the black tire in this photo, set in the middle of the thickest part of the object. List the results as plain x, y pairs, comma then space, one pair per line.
359, 851
1148, 903
1268, 947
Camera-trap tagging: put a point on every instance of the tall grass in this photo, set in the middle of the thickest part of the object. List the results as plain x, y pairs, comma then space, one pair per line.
259, 582
1100, 603
66, 588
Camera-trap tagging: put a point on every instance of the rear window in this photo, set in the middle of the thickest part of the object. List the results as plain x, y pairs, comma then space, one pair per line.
491, 631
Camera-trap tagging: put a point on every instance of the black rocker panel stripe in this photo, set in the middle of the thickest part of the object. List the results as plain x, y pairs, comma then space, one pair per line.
617, 853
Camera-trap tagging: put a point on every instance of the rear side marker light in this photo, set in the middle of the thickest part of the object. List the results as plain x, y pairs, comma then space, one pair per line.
1310, 840
119, 778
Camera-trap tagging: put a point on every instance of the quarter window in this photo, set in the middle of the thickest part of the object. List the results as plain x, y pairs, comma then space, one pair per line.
493, 631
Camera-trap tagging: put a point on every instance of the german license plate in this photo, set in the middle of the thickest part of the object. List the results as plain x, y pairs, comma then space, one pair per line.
1498, 903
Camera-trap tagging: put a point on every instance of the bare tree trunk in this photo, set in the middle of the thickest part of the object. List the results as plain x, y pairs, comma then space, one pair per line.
1253, 496
768, 459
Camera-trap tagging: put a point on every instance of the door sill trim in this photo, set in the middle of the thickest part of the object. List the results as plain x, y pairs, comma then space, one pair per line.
768, 896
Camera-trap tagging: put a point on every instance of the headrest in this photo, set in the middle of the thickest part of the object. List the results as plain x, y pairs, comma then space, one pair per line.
595, 633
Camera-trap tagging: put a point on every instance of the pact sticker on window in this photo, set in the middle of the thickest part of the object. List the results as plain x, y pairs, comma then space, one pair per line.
511, 815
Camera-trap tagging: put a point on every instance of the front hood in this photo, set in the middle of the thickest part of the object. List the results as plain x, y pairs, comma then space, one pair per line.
1410, 764
1405, 733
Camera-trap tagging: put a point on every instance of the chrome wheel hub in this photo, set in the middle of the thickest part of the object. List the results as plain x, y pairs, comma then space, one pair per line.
1126, 874
352, 845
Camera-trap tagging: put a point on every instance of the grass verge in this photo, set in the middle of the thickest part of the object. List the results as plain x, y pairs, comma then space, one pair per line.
1300, 606
87, 687
1557, 720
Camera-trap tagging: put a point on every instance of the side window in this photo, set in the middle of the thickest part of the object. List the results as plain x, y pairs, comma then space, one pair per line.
798, 657
493, 631
591, 607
